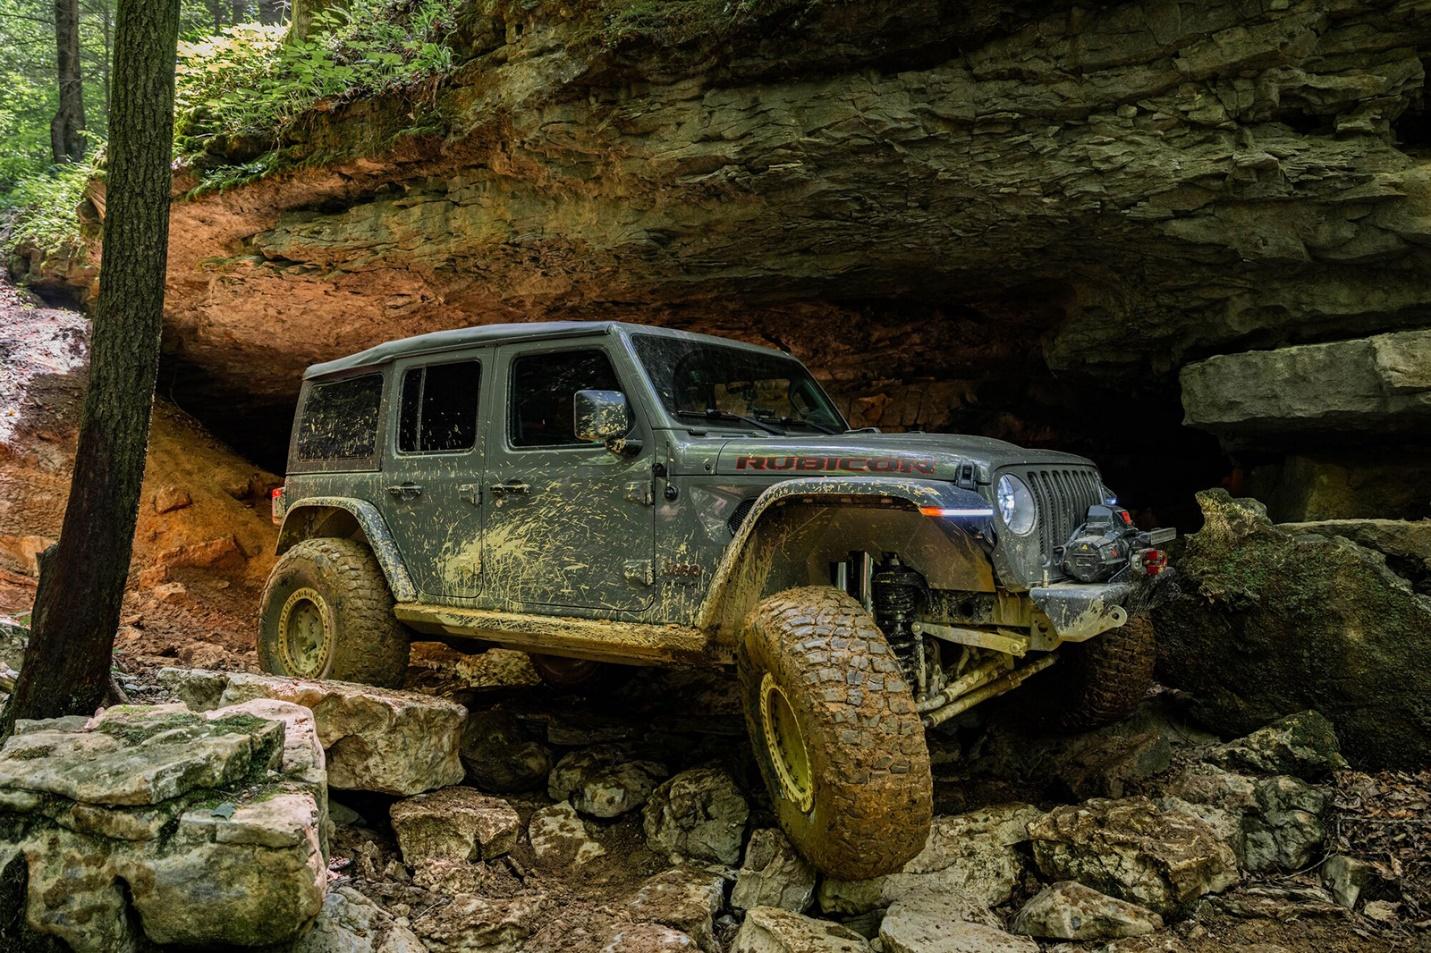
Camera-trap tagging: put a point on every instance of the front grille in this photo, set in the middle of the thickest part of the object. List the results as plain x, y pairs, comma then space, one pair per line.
1063, 497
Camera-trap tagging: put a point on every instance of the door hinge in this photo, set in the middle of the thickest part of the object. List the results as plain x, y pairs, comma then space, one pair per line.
641, 491
640, 572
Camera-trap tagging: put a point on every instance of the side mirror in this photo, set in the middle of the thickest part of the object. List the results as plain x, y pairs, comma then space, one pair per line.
602, 416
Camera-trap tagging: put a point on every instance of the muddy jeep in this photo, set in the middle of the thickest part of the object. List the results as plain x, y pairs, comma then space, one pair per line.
596, 493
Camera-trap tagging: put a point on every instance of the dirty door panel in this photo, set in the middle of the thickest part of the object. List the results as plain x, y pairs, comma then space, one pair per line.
432, 495
568, 523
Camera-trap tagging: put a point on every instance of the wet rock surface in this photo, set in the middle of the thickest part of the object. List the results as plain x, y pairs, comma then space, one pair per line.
390, 742
1271, 622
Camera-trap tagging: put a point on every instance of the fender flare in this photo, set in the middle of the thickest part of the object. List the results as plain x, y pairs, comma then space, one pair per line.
965, 518
306, 517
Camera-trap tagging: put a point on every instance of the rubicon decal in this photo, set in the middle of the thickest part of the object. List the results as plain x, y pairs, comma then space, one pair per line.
849, 464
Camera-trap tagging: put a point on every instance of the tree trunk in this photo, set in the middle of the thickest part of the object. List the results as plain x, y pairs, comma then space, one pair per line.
67, 128
67, 660
271, 12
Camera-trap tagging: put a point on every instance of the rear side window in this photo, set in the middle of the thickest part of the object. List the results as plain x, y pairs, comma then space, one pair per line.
543, 386
439, 408
340, 420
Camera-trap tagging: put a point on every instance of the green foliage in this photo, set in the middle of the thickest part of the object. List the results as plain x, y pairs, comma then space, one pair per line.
39, 211
239, 92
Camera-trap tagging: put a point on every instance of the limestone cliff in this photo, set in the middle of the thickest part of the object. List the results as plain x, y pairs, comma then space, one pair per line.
1020, 218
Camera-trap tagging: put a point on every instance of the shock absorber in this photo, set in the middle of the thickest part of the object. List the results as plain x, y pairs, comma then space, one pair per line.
898, 592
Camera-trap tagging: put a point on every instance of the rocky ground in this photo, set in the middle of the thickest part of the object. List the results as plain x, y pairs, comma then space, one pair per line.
632, 819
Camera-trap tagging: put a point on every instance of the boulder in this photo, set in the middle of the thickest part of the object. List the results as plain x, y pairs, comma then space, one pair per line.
376, 739
1158, 854
560, 838
604, 781
351, 923
699, 814
973, 854
214, 822
1271, 623
683, 898
1071, 911
1277, 822
456, 824
919, 925
1303, 745
773, 875
501, 755
775, 930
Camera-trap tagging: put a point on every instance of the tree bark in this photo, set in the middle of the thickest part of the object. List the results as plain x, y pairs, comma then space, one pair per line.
67, 128
67, 661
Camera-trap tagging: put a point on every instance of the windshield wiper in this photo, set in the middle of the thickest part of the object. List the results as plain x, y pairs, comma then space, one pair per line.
712, 413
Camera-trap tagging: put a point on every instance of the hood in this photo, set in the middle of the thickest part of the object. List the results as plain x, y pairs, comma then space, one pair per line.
928, 455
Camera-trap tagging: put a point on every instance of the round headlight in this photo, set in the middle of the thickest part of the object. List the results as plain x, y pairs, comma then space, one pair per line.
1016, 505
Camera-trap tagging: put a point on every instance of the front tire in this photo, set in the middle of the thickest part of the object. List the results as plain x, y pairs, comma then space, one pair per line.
327, 613
835, 732
1103, 680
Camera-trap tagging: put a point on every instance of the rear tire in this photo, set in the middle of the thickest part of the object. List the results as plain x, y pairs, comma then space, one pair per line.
327, 613
835, 732
1104, 679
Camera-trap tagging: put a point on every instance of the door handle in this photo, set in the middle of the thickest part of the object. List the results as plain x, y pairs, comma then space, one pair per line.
513, 487
470, 492
406, 491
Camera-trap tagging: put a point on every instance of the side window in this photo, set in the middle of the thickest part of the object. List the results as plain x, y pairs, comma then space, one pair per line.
340, 420
439, 408
542, 389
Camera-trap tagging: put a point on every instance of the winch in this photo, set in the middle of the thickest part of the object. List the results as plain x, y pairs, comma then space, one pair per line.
1108, 543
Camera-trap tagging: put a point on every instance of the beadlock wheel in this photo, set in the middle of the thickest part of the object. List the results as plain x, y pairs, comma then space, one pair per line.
785, 744
306, 633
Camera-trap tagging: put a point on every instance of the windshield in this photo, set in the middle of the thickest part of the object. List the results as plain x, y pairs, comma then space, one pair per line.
700, 381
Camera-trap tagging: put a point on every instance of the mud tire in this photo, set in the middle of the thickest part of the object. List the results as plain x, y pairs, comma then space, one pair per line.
869, 786
361, 640
1104, 679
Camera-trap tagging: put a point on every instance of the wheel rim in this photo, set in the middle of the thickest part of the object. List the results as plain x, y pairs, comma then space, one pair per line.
786, 744
305, 633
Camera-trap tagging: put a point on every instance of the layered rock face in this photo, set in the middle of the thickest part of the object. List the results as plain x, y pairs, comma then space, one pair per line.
1015, 214
153, 823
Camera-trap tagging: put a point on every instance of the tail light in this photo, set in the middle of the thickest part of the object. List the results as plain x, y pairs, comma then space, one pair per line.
277, 499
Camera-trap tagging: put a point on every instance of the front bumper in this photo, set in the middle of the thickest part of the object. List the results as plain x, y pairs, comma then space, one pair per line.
1079, 611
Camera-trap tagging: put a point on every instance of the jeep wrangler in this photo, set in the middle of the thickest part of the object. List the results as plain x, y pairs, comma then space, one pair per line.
599, 492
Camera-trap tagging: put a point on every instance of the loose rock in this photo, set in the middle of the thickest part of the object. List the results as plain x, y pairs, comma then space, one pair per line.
351, 923
379, 740
1161, 855
699, 814
560, 839
648, 938
916, 925
773, 875
604, 781
1071, 911
684, 899
1303, 745
470, 923
456, 824
973, 854
774, 930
